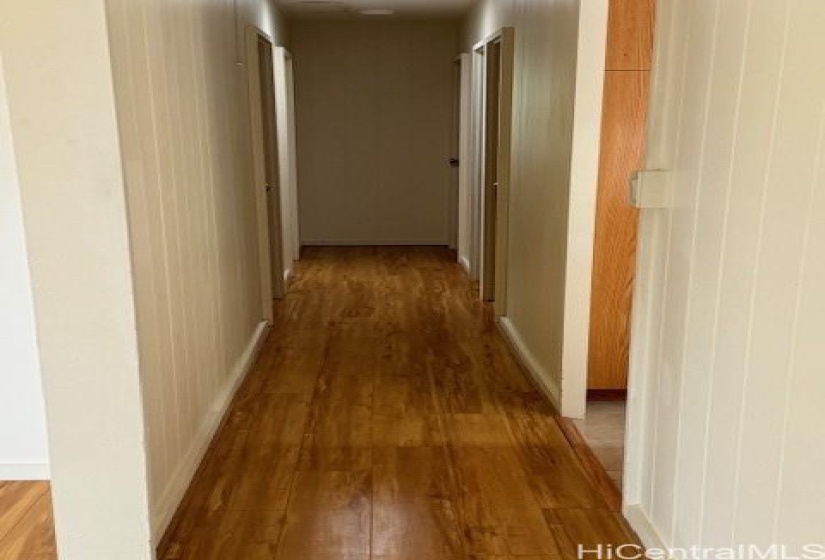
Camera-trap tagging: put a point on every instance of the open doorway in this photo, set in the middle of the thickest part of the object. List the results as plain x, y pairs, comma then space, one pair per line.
496, 109
600, 436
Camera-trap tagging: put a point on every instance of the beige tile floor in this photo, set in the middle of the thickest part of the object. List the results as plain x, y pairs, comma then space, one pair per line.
603, 430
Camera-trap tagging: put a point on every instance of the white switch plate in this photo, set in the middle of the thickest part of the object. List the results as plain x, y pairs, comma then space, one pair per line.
650, 189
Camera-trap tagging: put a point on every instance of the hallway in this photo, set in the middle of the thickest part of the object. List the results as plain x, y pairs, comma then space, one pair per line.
387, 419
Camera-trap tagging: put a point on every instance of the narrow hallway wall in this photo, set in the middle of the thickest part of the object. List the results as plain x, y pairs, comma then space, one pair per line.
543, 173
58, 77
181, 87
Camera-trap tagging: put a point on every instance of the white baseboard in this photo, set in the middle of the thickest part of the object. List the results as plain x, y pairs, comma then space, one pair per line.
170, 499
373, 243
540, 375
640, 522
465, 264
25, 471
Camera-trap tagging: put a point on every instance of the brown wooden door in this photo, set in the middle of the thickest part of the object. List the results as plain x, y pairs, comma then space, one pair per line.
623, 133
492, 113
270, 136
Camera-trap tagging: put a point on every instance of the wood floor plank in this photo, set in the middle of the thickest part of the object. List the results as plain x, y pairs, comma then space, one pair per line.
328, 517
339, 438
32, 537
402, 378
291, 365
16, 499
399, 394
349, 367
414, 506
457, 385
496, 507
232, 534
476, 430
555, 474
253, 468
388, 420
497, 366
407, 430
586, 528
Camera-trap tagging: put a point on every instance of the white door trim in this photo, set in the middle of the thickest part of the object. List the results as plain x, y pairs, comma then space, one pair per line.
505, 38
285, 101
465, 169
267, 267
581, 228
650, 268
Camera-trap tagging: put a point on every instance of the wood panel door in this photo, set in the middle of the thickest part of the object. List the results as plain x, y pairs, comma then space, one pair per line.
264, 160
630, 35
273, 184
629, 50
499, 53
623, 128
491, 184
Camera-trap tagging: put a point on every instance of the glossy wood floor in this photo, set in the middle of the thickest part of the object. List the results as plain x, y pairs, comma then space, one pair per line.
26, 526
387, 420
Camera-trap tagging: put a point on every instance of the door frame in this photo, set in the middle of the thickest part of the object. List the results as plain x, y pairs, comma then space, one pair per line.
476, 159
269, 246
288, 162
493, 283
454, 204
646, 316
581, 227
465, 215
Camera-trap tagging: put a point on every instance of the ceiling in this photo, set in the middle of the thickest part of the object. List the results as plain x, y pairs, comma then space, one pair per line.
350, 9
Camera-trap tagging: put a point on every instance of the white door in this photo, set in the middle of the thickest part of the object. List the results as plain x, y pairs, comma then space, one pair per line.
727, 376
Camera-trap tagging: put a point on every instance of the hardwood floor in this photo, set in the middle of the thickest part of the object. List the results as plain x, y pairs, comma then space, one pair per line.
386, 419
26, 526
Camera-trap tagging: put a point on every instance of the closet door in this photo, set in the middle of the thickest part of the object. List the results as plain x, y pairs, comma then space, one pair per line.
630, 40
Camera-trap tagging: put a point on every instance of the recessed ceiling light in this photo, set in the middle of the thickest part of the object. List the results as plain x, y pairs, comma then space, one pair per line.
377, 12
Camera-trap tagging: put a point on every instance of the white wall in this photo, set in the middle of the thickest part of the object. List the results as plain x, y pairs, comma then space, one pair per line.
23, 446
374, 108
184, 121
139, 216
559, 65
727, 378
64, 130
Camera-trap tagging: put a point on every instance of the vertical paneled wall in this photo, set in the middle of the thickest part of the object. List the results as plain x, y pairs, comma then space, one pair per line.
727, 422
184, 122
